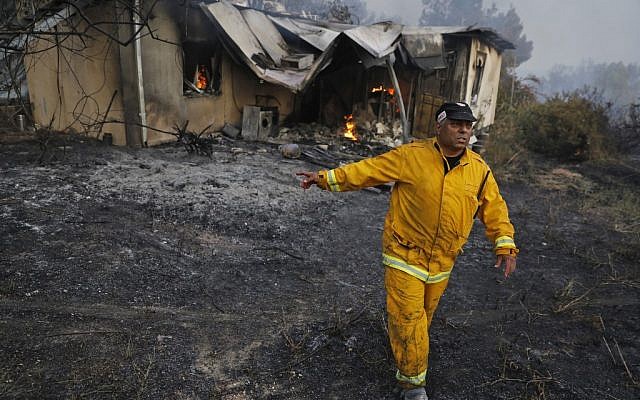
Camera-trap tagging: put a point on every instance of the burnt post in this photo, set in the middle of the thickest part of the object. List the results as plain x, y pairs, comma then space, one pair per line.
403, 114
129, 80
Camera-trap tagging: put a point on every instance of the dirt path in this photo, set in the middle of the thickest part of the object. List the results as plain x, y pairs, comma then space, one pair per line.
154, 274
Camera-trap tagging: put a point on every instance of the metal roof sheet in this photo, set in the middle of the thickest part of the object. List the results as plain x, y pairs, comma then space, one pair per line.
378, 39
422, 43
266, 34
487, 34
317, 36
251, 35
233, 24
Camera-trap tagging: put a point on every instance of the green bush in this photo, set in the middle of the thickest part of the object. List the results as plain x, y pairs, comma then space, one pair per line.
503, 148
567, 127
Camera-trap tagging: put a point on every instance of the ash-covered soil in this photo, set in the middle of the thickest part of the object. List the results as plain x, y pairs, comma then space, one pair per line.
156, 274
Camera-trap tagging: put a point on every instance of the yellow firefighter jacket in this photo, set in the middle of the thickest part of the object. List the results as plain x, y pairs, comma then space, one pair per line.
430, 213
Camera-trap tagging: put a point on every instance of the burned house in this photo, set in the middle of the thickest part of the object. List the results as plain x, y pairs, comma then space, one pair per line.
214, 63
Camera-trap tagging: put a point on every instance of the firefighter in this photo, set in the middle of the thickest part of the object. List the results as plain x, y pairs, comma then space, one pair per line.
440, 186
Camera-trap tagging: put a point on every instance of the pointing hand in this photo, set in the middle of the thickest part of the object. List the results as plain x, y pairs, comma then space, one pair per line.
310, 178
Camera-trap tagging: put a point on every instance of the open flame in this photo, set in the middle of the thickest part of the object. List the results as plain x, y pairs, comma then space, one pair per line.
381, 88
350, 127
201, 78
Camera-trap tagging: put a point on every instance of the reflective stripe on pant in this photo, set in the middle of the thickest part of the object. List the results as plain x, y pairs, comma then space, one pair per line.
411, 304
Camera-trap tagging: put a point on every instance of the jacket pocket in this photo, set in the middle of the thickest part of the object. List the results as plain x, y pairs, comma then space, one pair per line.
402, 241
407, 249
455, 247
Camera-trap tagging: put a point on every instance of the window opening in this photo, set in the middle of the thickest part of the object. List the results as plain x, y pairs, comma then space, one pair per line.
202, 68
479, 66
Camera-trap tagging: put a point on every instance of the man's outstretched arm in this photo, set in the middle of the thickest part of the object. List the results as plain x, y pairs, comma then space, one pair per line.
369, 172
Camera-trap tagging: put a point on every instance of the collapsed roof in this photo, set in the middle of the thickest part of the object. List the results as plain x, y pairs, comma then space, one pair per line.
258, 39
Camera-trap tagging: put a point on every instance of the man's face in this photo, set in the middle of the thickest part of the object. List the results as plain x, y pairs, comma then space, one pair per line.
453, 136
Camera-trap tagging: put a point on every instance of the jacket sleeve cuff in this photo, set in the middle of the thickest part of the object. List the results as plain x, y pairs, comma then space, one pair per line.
327, 180
322, 180
507, 252
506, 246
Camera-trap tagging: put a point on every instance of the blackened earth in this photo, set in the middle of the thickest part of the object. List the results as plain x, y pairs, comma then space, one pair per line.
158, 274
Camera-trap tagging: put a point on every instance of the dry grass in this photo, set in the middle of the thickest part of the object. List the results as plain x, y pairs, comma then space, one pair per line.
619, 205
533, 383
573, 302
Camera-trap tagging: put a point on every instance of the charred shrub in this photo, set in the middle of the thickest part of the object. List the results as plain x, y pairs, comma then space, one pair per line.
568, 127
626, 122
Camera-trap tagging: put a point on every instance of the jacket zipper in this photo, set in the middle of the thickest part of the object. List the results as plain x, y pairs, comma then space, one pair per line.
435, 237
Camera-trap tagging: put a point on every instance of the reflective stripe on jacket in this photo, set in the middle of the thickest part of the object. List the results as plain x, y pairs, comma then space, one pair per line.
430, 214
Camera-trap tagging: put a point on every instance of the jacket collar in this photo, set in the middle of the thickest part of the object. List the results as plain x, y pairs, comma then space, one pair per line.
465, 159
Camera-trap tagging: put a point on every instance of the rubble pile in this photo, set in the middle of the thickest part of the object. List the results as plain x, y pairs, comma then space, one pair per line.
306, 134
371, 138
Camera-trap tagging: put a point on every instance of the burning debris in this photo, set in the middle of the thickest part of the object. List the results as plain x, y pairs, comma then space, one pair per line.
382, 90
382, 102
361, 140
350, 127
360, 134
203, 82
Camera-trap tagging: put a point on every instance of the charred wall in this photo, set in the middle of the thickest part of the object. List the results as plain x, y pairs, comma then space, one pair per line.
71, 83
484, 78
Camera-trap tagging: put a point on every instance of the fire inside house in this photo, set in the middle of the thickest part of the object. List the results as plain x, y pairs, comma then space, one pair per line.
350, 127
383, 104
381, 88
382, 110
201, 77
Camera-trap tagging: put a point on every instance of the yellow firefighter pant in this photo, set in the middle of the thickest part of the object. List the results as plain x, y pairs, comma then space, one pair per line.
410, 307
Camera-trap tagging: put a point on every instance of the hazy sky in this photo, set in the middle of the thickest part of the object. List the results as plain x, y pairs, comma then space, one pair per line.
563, 31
